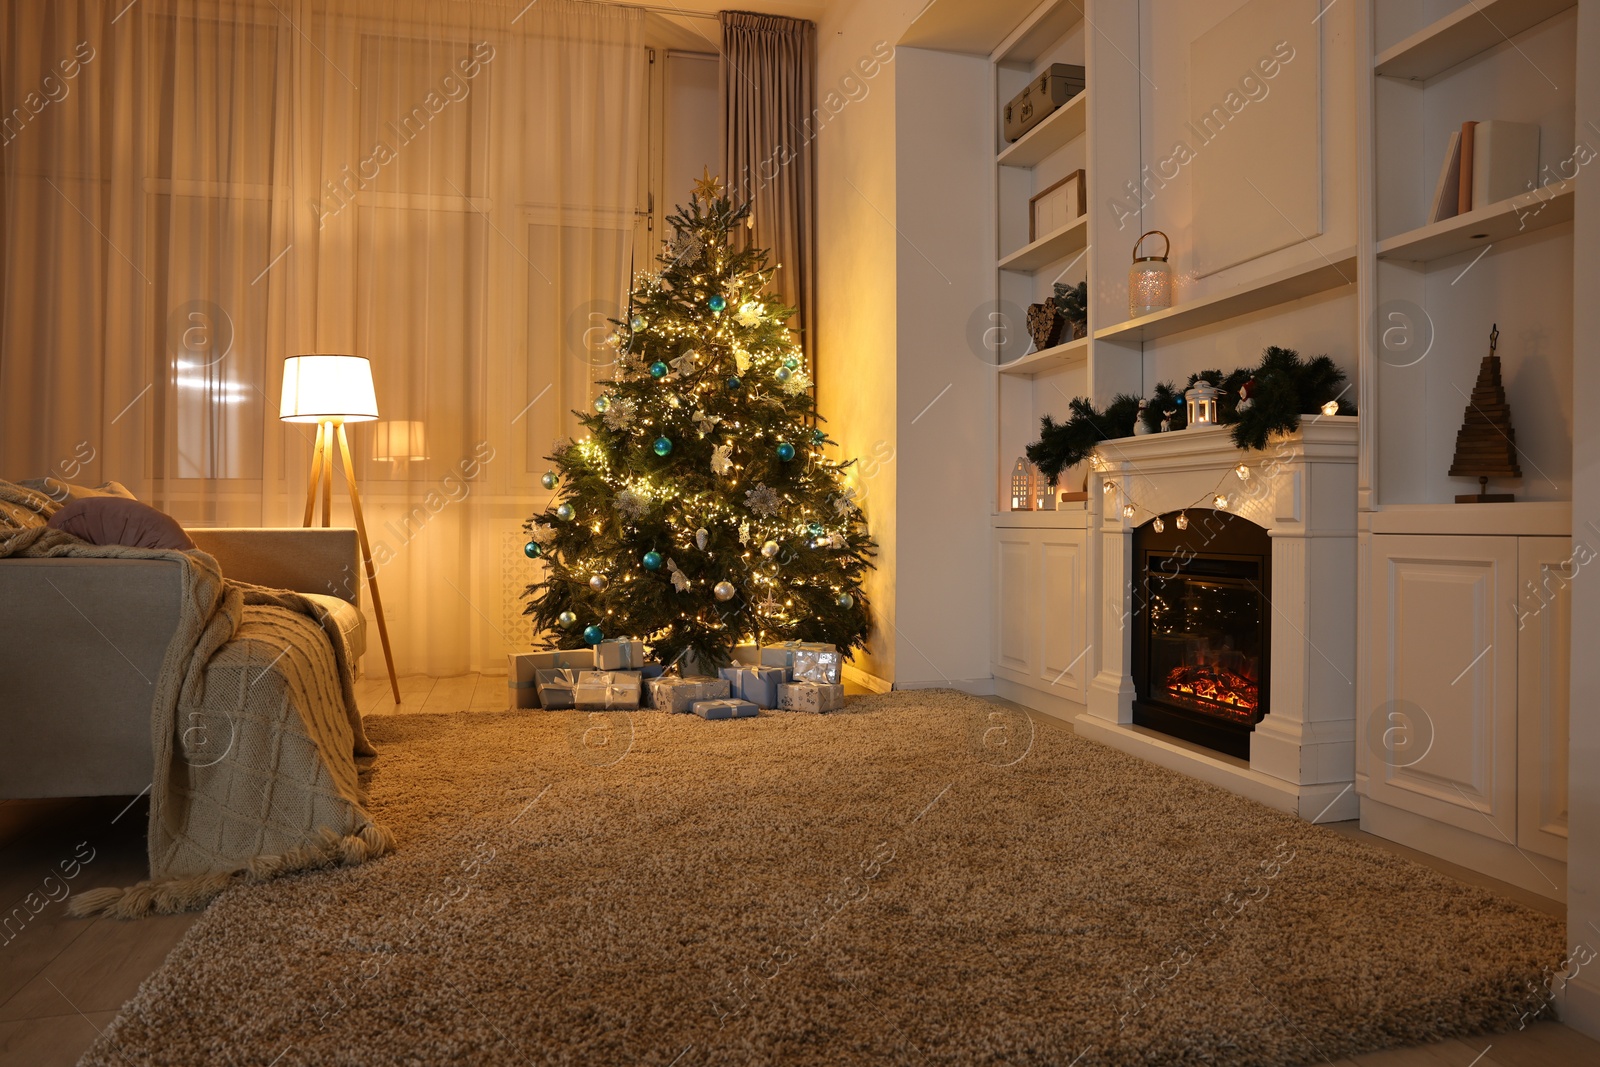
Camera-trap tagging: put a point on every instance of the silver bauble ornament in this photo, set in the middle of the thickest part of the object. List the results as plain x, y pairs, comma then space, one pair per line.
846, 601
567, 620
723, 590
769, 549
702, 538
598, 583
549, 480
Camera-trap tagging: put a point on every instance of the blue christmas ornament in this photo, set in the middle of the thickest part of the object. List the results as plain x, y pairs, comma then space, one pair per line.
717, 303
815, 529
783, 374
566, 619
734, 383
791, 363
592, 635
786, 451
602, 404
662, 446
817, 437
658, 369
652, 561
532, 550
565, 512
549, 480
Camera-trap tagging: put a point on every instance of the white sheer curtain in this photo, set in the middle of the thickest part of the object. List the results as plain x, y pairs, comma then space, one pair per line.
191, 191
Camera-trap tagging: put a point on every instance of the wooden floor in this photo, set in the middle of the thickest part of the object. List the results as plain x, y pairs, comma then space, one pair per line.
62, 980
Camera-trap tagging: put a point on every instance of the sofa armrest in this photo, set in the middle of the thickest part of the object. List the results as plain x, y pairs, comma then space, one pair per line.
311, 560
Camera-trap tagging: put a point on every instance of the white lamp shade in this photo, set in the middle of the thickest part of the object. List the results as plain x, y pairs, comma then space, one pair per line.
399, 439
328, 389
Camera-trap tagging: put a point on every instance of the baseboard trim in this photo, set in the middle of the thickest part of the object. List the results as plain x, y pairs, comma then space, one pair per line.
1579, 1003
978, 687
1491, 858
860, 677
1045, 703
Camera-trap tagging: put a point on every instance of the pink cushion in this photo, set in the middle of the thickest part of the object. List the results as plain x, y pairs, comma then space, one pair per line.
114, 520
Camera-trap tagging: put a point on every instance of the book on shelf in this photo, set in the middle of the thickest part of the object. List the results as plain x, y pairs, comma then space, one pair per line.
1505, 161
1469, 131
1445, 193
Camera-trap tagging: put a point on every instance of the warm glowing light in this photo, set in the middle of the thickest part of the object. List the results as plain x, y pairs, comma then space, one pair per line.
1220, 500
1331, 408
1243, 471
327, 389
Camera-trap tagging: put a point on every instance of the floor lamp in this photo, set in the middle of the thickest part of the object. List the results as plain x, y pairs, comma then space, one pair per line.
331, 391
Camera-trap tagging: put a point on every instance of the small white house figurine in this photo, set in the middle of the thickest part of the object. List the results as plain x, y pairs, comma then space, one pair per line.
1023, 482
1139, 427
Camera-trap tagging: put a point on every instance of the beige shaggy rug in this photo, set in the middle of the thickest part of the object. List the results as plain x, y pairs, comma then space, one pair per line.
925, 878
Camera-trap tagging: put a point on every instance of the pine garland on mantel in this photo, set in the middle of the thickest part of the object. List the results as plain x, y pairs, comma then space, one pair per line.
1282, 387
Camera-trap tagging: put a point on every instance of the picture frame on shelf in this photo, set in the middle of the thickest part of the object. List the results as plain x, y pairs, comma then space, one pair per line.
1058, 205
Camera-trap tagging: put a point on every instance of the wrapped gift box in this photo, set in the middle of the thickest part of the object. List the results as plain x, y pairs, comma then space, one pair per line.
812, 665
725, 709
619, 654
557, 688
778, 655
759, 685
607, 690
810, 696
680, 694
522, 683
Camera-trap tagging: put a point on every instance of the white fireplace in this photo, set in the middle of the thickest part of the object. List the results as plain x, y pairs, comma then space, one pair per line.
1302, 491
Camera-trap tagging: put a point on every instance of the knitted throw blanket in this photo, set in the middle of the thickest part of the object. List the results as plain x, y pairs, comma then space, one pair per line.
255, 732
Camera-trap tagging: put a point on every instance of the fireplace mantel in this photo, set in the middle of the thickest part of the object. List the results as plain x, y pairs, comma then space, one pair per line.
1302, 490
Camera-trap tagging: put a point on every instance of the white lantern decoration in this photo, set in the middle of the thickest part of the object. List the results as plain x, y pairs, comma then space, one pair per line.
1201, 404
1022, 486
1149, 279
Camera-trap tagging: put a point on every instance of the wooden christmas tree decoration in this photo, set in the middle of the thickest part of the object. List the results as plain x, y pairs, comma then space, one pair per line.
1486, 444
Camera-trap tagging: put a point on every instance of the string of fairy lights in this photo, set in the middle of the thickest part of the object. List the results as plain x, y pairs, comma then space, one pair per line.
1131, 508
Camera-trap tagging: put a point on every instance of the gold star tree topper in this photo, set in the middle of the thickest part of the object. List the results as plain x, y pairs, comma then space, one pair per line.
709, 186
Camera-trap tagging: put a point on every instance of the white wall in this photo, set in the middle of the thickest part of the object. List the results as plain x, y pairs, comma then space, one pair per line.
1582, 1006
944, 135
856, 277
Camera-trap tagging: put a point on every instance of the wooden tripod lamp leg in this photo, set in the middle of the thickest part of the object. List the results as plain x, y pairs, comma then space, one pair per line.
327, 469
317, 454
366, 557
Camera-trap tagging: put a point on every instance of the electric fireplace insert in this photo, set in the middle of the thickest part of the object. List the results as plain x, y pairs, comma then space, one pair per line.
1202, 628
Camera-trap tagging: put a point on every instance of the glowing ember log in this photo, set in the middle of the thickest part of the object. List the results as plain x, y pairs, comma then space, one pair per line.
1215, 685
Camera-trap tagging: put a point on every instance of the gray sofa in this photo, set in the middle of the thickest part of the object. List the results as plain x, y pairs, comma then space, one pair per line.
82, 641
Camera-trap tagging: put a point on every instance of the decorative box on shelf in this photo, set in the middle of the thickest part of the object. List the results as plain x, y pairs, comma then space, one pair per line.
810, 696
725, 709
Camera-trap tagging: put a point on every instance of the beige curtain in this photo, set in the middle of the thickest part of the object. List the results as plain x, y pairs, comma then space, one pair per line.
191, 191
769, 104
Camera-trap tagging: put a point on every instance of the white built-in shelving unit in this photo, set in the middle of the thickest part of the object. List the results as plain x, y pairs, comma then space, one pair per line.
1465, 629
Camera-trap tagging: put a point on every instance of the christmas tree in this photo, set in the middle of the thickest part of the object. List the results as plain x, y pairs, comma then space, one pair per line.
699, 510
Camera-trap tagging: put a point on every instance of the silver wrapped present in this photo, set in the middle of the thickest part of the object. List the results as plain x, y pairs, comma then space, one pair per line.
607, 691
725, 709
522, 682
759, 685
557, 688
619, 654
812, 665
680, 694
815, 697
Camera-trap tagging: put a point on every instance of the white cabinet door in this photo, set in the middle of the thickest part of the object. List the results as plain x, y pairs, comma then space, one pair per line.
1063, 612
1017, 599
1544, 643
1442, 726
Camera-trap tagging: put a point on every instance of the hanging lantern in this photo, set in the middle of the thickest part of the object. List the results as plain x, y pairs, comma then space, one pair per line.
1149, 279
1022, 486
1201, 404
